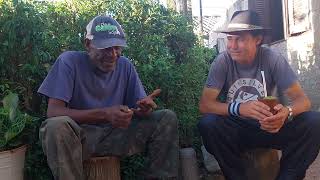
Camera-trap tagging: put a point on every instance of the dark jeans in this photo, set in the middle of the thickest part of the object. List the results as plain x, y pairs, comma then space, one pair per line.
228, 137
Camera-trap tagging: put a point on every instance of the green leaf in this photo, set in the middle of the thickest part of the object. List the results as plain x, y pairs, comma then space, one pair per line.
11, 102
5, 43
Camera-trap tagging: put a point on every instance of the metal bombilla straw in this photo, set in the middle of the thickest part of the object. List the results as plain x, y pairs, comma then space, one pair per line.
264, 84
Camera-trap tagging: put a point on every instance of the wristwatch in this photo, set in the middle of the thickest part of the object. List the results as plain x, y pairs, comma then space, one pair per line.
290, 115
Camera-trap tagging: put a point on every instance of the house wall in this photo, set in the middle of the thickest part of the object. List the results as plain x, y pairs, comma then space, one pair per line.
303, 54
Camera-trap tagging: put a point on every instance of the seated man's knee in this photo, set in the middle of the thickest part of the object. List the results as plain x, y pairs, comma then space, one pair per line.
56, 126
207, 122
312, 120
170, 118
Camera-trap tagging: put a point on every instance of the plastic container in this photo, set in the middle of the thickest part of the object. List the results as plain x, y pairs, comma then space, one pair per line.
12, 163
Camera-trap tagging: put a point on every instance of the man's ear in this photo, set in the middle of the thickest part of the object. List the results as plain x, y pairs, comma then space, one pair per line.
259, 40
87, 44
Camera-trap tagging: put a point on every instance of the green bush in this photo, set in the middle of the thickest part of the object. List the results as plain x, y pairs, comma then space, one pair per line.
15, 126
161, 44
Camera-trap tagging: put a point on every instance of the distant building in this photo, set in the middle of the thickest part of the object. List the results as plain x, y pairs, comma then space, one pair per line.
218, 40
186, 8
208, 24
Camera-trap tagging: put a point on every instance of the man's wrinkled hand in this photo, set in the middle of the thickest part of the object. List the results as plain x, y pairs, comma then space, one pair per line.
146, 105
119, 116
274, 123
255, 110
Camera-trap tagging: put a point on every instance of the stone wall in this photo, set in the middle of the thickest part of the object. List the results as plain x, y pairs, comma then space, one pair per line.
303, 54
300, 52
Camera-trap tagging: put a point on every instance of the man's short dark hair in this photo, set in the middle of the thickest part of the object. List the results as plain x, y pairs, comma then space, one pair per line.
257, 33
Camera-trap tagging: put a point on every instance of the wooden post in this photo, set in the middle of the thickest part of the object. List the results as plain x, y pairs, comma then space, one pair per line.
102, 168
188, 160
262, 164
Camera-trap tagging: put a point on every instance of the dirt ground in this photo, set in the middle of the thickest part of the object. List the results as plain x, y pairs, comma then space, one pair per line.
313, 173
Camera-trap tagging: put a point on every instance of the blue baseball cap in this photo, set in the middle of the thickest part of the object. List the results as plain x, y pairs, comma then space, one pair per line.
105, 32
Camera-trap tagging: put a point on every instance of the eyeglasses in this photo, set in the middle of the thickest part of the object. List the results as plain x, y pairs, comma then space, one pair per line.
110, 50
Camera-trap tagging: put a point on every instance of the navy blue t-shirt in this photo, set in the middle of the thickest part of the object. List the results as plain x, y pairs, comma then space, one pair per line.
76, 81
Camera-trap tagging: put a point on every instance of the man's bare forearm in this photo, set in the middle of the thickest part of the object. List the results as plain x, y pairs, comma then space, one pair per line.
210, 104
300, 105
214, 107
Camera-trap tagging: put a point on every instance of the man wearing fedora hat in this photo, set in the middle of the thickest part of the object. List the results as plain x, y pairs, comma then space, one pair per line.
97, 106
235, 121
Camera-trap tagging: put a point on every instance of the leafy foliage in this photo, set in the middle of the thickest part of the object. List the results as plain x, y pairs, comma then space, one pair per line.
130, 166
13, 123
161, 44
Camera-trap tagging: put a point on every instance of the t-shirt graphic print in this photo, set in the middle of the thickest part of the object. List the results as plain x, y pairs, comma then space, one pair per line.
244, 90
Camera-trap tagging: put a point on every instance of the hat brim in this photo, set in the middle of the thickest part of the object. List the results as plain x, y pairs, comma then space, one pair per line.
233, 30
106, 43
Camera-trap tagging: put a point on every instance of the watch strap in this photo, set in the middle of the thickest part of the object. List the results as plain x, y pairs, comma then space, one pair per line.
290, 115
